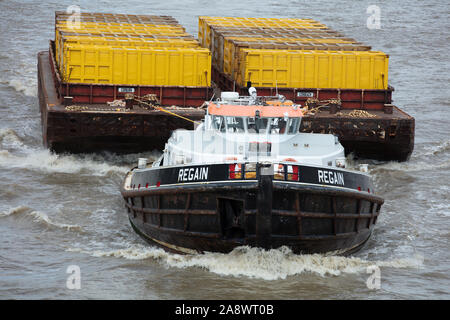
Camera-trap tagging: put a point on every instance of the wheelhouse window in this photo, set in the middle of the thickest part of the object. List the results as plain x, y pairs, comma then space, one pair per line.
277, 126
235, 124
257, 125
218, 123
260, 125
293, 125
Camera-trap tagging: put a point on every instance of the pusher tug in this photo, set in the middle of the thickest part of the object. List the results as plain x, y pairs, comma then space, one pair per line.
246, 176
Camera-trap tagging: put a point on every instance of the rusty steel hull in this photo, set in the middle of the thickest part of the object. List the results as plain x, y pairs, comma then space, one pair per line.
222, 215
386, 137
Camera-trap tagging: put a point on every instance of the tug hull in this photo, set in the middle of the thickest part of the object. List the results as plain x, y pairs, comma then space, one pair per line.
266, 211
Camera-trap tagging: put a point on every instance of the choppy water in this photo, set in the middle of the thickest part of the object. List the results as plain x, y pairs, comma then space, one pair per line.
57, 211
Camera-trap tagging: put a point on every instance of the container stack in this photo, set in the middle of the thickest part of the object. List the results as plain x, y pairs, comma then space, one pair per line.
99, 48
290, 53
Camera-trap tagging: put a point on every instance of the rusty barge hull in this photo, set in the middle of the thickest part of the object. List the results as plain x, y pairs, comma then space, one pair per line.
385, 137
90, 125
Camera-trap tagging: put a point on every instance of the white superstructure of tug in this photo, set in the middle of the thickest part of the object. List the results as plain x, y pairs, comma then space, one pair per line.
252, 129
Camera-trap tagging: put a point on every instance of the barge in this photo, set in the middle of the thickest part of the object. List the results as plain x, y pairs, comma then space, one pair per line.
247, 176
83, 112
85, 123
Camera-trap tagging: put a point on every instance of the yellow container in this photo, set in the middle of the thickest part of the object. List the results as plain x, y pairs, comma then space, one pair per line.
125, 21
276, 33
119, 31
205, 24
214, 31
123, 41
138, 42
136, 66
114, 25
116, 36
98, 29
232, 45
314, 69
114, 17
263, 22
263, 39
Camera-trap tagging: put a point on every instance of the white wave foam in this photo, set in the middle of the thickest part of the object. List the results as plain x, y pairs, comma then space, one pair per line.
12, 211
411, 166
44, 218
438, 149
279, 263
43, 160
10, 138
427, 157
256, 263
136, 252
419, 162
39, 217
23, 86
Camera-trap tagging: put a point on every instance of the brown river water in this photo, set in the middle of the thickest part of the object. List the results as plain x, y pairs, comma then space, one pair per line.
58, 211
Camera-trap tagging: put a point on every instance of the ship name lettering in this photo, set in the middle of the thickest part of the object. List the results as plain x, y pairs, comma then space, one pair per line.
193, 174
330, 177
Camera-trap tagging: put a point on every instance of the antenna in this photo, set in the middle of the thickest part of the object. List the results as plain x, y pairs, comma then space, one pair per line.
276, 87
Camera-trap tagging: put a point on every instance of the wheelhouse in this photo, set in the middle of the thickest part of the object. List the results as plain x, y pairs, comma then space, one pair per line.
259, 119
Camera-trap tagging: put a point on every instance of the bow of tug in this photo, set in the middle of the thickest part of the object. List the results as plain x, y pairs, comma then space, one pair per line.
217, 207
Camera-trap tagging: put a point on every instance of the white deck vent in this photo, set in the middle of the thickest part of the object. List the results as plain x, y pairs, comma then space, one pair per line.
229, 95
